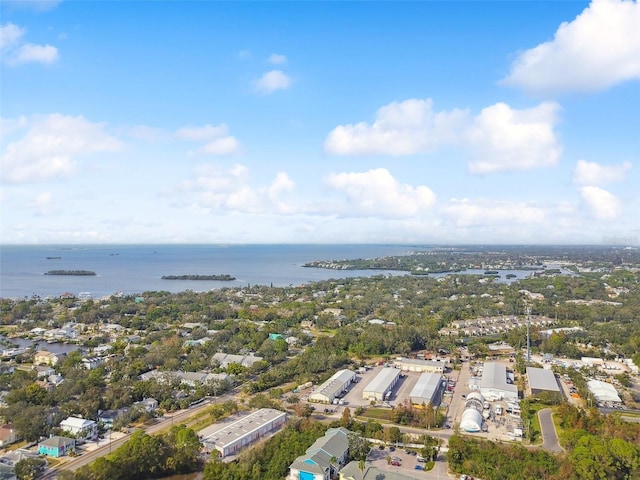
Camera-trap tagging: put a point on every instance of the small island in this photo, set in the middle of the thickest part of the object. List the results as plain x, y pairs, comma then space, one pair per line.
223, 277
71, 272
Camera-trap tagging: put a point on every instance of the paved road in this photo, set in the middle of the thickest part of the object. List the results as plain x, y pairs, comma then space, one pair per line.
550, 440
164, 423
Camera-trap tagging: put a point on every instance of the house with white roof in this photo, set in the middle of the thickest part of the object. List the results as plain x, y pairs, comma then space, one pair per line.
81, 428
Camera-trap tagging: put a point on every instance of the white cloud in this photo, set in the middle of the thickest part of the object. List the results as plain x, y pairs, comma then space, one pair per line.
219, 142
15, 52
272, 81
400, 128
220, 146
377, 193
244, 54
277, 59
50, 145
10, 35
598, 49
592, 173
500, 138
602, 204
484, 212
30, 52
505, 139
222, 189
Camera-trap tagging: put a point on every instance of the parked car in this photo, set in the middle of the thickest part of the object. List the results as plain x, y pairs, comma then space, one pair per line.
392, 449
395, 464
418, 467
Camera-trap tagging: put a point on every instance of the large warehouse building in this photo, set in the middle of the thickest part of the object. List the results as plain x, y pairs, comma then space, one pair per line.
542, 380
603, 391
418, 365
229, 438
333, 387
494, 385
427, 390
381, 385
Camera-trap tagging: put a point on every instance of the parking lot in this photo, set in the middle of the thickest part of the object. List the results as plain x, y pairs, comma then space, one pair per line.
395, 460
400, 392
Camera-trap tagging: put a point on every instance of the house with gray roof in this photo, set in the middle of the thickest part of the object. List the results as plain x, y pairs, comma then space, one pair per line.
316, 463
352, 471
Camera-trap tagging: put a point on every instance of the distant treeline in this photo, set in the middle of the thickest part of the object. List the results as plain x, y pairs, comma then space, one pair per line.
70, 272
222, 277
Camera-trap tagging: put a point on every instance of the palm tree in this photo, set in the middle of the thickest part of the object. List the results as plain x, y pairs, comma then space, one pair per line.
334, 465
362, 465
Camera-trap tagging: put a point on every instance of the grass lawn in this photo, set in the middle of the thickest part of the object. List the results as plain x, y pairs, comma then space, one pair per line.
531, 413
377, 413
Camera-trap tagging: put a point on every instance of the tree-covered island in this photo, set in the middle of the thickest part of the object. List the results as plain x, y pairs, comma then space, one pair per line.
71, 272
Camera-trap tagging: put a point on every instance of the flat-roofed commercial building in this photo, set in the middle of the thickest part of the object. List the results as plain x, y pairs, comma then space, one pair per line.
427, 390
381, 385
418, 365
231, 437
333, 387
494, 385
542, 380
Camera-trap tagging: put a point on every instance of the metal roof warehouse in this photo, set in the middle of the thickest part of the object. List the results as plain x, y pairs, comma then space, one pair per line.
383, 383
229, 438
427, 390
542, 380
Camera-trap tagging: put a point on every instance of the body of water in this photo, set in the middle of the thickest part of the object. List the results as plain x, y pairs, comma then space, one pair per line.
138, 268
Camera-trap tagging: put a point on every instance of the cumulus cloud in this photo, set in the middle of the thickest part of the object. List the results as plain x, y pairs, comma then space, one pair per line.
15, 52
377, 193
505, 139
10, 35
499, 138
602, 204
400, 128
217, 138
483, 212
277, 59
230, 190
598, 49
30, 52
592, 173
50, 147
272, 81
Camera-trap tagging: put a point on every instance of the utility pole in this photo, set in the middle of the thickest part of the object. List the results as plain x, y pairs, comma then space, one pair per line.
528, 310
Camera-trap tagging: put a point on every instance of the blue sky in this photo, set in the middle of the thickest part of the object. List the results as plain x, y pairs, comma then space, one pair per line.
320, 122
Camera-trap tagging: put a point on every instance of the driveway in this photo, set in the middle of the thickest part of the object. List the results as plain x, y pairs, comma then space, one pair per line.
550, 440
